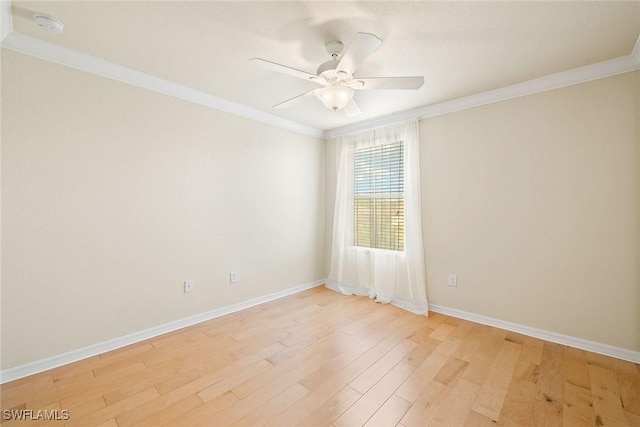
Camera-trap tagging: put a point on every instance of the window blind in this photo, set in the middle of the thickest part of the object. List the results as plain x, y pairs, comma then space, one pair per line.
379, 197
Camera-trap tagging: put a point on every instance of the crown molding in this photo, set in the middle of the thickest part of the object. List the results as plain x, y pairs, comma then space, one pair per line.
636, 51
572, 77
6, 19
71, 58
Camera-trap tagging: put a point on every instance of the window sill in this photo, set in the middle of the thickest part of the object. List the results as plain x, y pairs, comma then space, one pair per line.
381, 251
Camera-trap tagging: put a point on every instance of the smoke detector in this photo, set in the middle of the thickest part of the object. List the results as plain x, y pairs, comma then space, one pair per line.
48, 23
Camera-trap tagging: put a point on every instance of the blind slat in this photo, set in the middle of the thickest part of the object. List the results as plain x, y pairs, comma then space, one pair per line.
379, 199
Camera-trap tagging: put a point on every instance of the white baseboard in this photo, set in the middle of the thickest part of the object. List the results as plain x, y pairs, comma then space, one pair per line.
37, 366
595, 347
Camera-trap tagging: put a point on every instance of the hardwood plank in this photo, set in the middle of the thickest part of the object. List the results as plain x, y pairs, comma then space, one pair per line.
368, 378
480, 365
86, 407
628, 379
456, 406
526, 371
231, 380
475, 419
606, 399
600, 360
172, 411
109, 423
369, 403
551, 375
633, 419
332, 409
517, 408
112, 411
205, 412
306, 363
435, 319
130, 389
338, 363
515, 337
422, 335
426, 405
264, 413
493, 391
472, 343
546, 413
352, 328
462, 328
390, 413
72, 397
199, 364
318, 341
421, 352
51, 392
576, 372
578, 406
451, 371
442, 331
531, 351
415, 384
166, 385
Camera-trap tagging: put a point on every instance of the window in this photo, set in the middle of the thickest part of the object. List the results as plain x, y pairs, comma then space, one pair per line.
379, 197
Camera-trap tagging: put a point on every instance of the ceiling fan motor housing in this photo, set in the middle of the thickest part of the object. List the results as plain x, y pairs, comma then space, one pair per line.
334, 48
327, 69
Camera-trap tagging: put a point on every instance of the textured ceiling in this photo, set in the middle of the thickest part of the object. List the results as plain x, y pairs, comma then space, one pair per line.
461, 48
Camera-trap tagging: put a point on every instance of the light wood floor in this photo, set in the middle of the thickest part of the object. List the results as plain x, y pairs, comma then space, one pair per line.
319, 358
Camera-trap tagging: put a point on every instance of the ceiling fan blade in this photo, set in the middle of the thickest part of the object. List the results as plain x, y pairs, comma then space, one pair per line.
279, 68
352, 108
363, 45
408, 83
289, 102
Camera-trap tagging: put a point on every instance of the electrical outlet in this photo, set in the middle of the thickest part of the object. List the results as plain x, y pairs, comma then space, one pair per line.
233, 277
453, 280
188, 286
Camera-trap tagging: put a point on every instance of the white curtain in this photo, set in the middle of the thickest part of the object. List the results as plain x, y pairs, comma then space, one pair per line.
396, 277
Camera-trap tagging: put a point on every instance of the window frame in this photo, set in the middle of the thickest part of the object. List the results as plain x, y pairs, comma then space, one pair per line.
374, 235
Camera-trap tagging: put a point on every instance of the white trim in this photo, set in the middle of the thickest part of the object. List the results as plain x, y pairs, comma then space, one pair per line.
81, 61
635, 53
613, 67
31, 368
6, 19
595, 347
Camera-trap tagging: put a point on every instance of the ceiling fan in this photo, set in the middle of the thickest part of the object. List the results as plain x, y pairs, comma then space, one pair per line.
336, 76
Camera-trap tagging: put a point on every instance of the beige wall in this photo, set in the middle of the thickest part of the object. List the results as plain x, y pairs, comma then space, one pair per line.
535, 204
112, 196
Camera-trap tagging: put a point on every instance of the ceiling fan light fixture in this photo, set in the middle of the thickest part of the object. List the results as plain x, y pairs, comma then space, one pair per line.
335, 96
